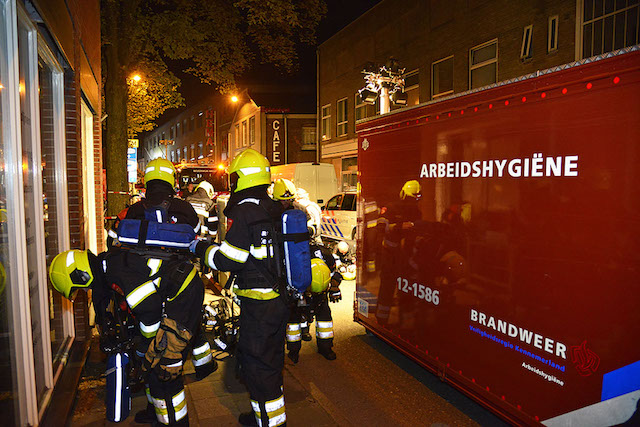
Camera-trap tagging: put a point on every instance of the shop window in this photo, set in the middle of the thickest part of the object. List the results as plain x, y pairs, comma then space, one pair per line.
349, 173
442, 77
609, 25
483, 64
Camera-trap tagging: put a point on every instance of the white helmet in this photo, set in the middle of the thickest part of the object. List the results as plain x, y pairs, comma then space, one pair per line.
208, 188
302, 194
343, 247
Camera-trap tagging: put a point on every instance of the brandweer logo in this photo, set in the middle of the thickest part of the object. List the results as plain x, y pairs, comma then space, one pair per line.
585, 360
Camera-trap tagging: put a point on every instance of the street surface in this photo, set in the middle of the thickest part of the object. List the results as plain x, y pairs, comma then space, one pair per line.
369, 384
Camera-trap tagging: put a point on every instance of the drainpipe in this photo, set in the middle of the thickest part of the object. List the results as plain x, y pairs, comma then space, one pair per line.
318, 130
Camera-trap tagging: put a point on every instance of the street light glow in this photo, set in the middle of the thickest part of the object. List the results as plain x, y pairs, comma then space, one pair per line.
234, 98
136, 78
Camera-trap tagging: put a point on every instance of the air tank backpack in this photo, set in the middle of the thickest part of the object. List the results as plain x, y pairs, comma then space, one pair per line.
292, 255
156, 230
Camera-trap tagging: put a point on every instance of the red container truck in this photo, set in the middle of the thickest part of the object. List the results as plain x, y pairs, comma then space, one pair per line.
499, 241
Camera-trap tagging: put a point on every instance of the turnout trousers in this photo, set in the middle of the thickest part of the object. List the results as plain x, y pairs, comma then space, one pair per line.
319, 304
261, 356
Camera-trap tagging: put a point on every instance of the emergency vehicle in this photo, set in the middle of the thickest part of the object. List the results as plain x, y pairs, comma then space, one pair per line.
514, 275
339, 217
194, 173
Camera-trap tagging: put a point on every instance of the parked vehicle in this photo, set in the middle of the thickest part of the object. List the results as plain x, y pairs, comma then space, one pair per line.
319, 179
339, 217
512, 269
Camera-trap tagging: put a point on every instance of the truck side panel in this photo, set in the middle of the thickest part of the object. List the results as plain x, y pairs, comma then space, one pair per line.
515, 274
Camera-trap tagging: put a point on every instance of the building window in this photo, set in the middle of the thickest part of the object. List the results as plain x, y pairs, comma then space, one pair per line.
362, 110
200, 118
342, 117
552, 36
193, 152
184, 126
326, 122
173, 156
191, 123
178, 129
200, 150
245, 134
527, 37
442, 77
184, 157
308, 138
252, 130
349, 173
483, 64
237, 135
609, 25
412, 87
172, 132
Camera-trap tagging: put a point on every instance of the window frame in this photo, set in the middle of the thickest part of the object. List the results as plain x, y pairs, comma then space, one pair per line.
252, 130
526, 49
552, 34
484, 63
325, 136
433, 64
345, 122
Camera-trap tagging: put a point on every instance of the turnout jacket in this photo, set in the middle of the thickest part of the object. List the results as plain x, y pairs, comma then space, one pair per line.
179, 211
250, 246
151, 287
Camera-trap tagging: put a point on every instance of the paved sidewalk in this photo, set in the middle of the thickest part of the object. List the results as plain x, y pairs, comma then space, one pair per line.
216, 400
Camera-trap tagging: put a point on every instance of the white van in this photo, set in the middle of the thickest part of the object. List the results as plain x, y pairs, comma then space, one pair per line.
318, 179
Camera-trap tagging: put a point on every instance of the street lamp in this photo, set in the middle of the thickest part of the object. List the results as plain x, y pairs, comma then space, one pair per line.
387, 83
234, 98
136, 78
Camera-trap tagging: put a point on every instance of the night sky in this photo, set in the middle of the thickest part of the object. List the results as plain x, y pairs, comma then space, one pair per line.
340, 13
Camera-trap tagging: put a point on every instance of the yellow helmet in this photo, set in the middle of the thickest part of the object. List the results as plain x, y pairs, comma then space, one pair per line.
248, 169
411, 189
161, 169
208, 188
283, 189
320, 276
70, 271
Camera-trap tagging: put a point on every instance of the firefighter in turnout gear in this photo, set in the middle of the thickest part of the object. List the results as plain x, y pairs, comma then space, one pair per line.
325, 287
165, 301
249, 251
161, 206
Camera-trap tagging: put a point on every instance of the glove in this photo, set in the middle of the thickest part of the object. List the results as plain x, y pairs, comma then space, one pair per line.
334, 294
194, 244
164, 355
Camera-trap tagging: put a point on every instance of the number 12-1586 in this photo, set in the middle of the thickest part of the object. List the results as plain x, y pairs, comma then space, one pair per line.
420, 291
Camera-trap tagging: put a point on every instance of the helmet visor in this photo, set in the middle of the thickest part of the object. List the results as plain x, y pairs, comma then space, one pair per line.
233, 181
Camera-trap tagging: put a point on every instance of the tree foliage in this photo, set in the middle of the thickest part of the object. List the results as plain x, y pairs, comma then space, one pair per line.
219, 39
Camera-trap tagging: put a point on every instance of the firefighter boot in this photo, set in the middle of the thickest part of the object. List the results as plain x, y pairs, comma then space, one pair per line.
324, 348
294, 356
247, 419
147, 416
306, 336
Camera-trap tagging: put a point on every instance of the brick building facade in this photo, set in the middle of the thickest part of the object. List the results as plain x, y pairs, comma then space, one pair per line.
451, 47
216, 129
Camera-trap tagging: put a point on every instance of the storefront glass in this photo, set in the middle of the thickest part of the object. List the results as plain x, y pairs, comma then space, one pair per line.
8, 396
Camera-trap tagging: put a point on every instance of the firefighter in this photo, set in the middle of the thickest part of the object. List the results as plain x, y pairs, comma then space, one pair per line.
325, 287
313, 211
161, 205
202, 201
249, 250
166, 307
